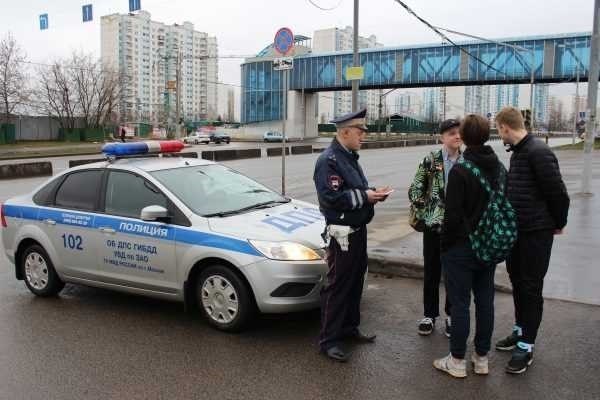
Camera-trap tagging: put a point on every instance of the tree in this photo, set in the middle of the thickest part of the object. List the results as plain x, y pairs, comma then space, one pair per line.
78, 88
13, 77
56, 88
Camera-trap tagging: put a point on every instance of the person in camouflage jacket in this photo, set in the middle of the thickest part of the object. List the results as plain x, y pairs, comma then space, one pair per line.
426, 196
426, 193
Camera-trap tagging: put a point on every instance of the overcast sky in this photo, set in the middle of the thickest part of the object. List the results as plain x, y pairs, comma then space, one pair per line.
247, 26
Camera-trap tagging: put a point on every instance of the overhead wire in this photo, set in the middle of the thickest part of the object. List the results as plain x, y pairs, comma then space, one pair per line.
312, 2
446, 38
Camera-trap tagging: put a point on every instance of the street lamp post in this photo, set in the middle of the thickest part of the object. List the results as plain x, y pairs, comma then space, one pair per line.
592, 103
531, 88
381, 96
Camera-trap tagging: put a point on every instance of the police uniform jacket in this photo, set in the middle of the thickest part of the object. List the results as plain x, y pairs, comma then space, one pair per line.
341, 187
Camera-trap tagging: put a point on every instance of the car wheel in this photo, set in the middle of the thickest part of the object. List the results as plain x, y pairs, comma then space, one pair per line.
40, 277
227, 142
224, 299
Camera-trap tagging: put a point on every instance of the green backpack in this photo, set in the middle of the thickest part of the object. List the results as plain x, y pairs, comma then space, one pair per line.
496, 232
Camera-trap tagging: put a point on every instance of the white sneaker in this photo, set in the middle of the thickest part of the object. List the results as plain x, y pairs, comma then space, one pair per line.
452, 366
480, 364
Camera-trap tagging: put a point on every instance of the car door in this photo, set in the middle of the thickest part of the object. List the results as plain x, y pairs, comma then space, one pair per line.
131, 251
69, 222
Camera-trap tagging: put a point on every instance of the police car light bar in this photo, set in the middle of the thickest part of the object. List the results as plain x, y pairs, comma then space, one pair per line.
140, 148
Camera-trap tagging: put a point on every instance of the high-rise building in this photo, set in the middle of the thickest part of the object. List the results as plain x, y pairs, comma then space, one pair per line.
506, 95
478, 100
334, 104
490, 99
407, 103
226, 109
149, 57
541, 104
432, 104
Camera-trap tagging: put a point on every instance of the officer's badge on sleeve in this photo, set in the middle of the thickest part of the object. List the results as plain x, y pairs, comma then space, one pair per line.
335, 182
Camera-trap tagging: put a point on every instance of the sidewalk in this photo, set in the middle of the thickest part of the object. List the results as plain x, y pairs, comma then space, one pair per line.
573, 274
36, 150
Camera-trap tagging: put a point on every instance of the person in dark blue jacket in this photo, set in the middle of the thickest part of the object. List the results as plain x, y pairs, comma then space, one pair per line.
346, 201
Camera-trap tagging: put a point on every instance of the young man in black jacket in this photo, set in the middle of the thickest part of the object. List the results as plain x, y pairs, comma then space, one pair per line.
466, 199
539, 196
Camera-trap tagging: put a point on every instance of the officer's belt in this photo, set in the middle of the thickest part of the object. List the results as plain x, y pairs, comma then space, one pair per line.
340, 233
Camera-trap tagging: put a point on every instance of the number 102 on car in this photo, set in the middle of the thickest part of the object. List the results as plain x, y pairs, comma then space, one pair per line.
73, 242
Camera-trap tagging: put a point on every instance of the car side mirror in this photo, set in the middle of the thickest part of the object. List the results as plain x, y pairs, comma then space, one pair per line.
154, 213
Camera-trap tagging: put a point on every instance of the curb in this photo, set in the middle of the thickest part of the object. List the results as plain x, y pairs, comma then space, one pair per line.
27, 170
272, 151
407, 268
28, 157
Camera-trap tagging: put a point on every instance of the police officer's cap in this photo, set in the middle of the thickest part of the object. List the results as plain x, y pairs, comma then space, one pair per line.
449, 124
356, 119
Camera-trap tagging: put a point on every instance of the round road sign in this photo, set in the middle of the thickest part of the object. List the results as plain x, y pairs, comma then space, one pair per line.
284, 41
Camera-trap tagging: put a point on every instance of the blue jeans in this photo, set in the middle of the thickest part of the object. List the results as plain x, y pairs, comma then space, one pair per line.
464, 273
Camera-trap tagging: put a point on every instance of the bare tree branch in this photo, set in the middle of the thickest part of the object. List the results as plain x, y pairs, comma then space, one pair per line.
13, 77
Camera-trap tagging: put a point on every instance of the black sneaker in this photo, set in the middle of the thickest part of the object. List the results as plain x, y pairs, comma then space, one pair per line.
448, 327
508, 343
521, 359
426, 326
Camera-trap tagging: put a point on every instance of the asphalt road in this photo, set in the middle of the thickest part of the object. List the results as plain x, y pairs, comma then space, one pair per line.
394, 167
95, 344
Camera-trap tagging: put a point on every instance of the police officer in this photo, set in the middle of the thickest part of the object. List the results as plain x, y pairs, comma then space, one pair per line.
346, 201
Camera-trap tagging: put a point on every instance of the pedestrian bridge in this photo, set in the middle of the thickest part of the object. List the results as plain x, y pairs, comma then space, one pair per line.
553, 58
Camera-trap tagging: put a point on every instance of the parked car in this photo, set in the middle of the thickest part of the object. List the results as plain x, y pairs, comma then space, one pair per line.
220, 137
178, 229
273, 136
196, 138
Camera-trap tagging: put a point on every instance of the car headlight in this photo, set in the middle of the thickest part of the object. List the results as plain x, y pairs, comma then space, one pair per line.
285, 251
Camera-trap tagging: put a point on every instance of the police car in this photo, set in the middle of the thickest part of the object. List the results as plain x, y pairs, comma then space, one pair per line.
179, 229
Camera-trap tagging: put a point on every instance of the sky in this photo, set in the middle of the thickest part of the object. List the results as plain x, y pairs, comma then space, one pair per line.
245, 27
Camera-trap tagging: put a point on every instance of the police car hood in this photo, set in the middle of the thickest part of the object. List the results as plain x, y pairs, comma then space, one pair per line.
295, 221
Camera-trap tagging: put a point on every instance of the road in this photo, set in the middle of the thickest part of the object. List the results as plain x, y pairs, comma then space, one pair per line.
95, 344
394, 167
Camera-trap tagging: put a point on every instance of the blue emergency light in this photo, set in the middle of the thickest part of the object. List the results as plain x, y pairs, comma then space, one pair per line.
140, 148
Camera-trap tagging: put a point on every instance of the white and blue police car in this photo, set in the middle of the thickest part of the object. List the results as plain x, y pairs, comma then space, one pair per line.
180, 229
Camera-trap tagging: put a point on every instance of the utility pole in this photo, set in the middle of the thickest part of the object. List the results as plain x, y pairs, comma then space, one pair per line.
576, 106
590, 126
380, 112
356, 59
178, 98
531, 89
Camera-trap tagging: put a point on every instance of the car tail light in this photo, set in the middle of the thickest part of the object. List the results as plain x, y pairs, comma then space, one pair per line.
4, 224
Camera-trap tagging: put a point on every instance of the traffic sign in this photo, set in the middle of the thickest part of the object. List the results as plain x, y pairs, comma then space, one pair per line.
43, 22
355, 73
135, 5
284, 41
87, 13
282, 64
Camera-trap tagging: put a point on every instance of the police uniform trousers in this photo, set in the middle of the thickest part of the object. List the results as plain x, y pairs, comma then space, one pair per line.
340, 298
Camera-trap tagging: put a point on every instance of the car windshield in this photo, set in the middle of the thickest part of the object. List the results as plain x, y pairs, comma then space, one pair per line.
215, 190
